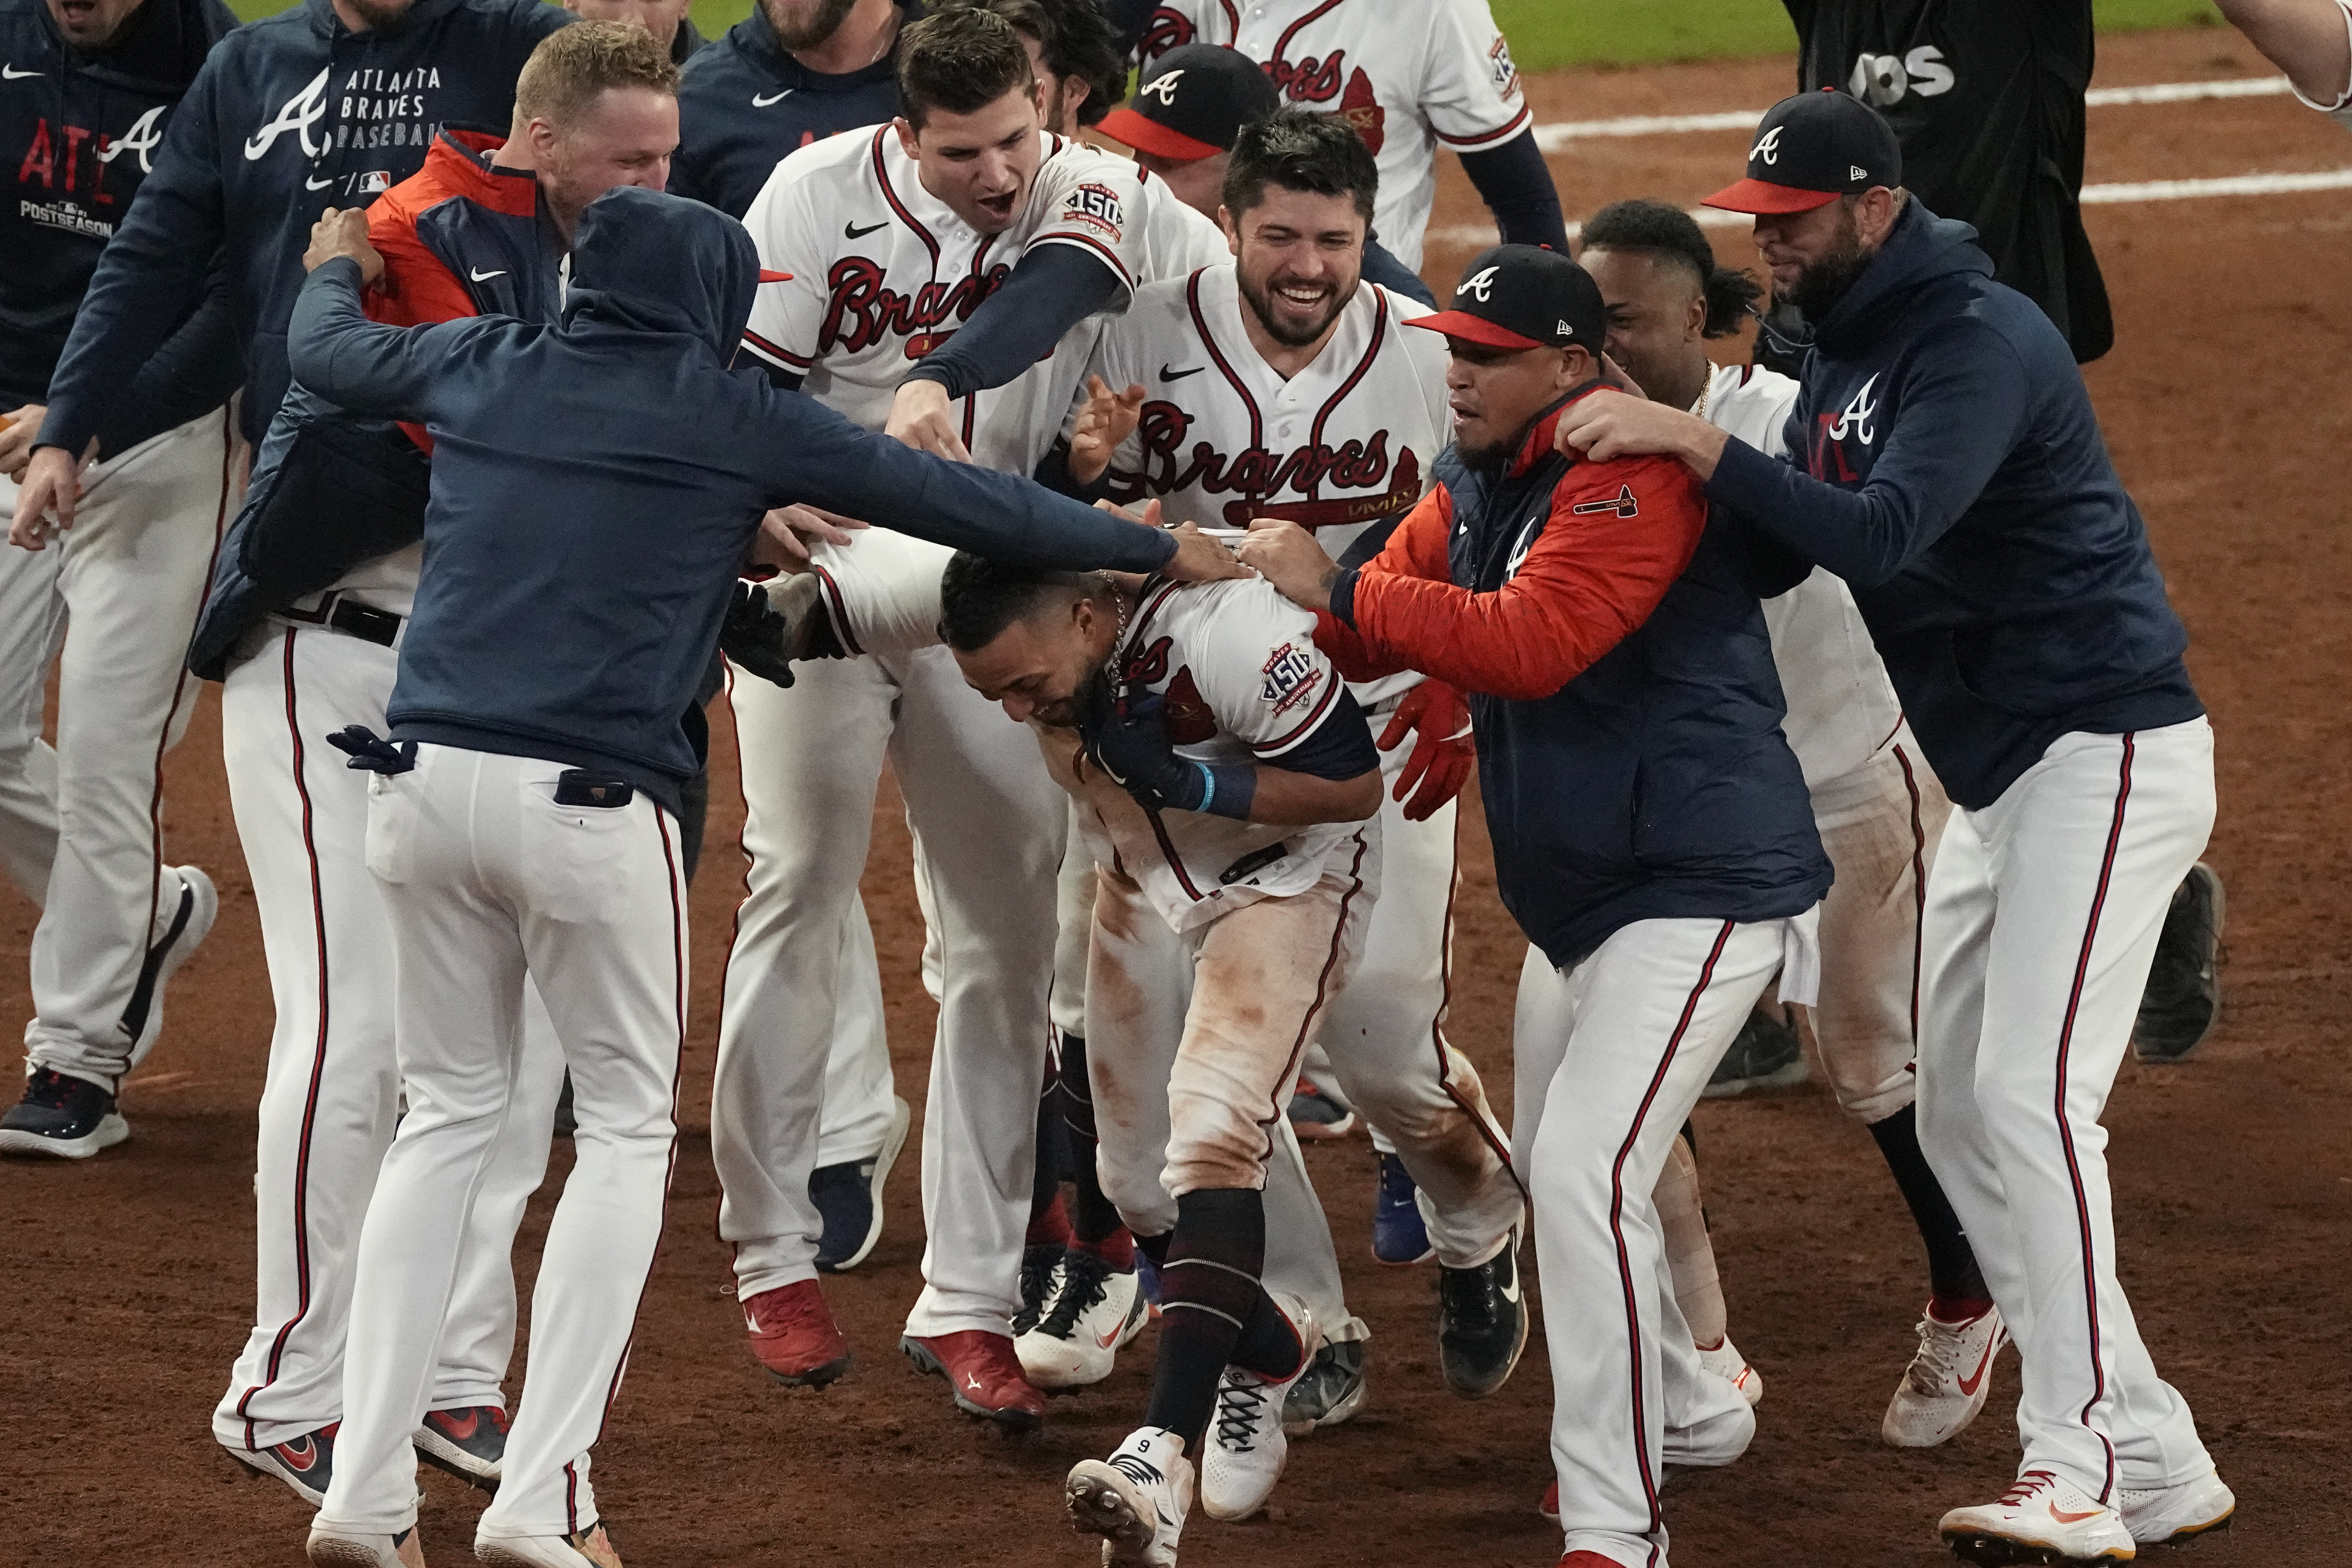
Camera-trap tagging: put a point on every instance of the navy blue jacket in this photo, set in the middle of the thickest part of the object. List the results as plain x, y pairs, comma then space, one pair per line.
743, 103
81, 132
289, 116
596, 484
1606, 625
1945, 461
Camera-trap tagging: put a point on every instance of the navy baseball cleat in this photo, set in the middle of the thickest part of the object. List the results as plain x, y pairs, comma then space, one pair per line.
1482, 1322
1316, 1115
67, 1117
2183, 999
306, 1464
1767, 1055
1399, 1236
848, 1197
1330, 1390
470, 1443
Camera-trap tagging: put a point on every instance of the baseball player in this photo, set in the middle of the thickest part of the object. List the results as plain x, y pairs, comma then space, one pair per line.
941, 264
498, 860
305, 646
1651, 836
2311, 40
1876, 803
1946, 464
89, 94
1230, 793
1407, 77
1280, 386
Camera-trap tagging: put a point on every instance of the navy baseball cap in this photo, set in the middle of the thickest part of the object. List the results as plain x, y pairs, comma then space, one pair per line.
1810, 151
1194, 102
1524, 297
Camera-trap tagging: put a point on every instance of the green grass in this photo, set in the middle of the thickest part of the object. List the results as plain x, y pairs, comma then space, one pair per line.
1548, 34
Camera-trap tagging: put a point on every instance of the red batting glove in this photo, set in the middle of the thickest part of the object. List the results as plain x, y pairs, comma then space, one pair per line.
1435, 714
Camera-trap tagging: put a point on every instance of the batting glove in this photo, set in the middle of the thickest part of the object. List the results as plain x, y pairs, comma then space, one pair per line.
1439, 720
1128, 741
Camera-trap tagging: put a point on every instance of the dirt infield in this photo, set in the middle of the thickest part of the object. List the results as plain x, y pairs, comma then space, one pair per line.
127, 1279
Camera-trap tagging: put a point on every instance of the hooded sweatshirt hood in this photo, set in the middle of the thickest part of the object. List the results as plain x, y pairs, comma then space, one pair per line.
1921, 248
646, 262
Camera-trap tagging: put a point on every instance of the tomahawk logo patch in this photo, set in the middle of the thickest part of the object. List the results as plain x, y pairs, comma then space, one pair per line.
1623, 503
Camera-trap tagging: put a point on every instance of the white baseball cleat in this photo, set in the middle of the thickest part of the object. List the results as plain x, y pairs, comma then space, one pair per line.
1246, 1450
2165, 1516
1726, 1361
589, 1548
1092, 1312
332, 1549
1136, 1500
1946, 1384
2040, 1519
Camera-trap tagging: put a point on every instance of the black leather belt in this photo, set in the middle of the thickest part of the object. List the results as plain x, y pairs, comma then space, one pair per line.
348, 616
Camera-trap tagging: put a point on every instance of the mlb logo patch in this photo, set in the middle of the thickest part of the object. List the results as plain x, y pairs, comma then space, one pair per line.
375, 181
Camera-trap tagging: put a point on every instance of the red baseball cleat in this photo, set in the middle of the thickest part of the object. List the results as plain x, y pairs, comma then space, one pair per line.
984, 1374
1549, 1504
793, 1335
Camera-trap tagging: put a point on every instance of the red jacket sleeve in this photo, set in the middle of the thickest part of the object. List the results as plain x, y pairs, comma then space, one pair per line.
1416, 548
1617, 536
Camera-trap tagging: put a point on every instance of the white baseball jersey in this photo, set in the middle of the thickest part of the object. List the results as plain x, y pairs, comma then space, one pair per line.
1407, 74
1245, 683
884, 272
1841, 707
2340, 107
1344, 445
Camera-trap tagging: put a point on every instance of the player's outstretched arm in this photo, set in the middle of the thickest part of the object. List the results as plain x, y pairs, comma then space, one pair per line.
336, 351
2308, 40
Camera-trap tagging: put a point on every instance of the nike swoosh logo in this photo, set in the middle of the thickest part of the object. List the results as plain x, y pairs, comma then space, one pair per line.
758, 102
479, 275
1166, 374
302, 1457
1108, 1340
1969, 1385
310, 184
455, 1429
2063, 1517
851, 231
10, 73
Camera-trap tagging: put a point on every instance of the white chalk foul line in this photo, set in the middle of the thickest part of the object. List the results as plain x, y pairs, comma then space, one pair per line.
1554, 136
1484, 234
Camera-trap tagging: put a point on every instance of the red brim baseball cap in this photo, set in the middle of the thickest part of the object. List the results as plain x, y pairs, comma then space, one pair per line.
1130, 129
1474, 328
768, 276
1760, 196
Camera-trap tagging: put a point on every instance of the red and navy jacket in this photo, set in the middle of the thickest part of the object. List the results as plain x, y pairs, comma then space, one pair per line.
1622, 694
744, 102
1944, 460
81, 132
289, 116
460, 237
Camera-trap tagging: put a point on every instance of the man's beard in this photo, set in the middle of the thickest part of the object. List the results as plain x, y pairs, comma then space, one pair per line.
381, 14
1489, 456
1262, 306
1823, 282
814, 26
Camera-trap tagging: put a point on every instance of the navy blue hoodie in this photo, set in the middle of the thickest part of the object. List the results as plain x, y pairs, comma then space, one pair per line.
81, 132
1944, 461
596, 484
289, 116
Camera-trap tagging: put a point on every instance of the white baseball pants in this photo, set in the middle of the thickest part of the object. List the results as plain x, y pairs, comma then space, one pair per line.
2042, 922
488, 880
1193, 1044
1880, 825
132, 574
32, 626
332, 1093
988, 827
1611, 1057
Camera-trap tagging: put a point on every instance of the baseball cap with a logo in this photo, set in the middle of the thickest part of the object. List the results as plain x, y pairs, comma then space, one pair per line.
1193, 102
1524, 297
1810, 151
